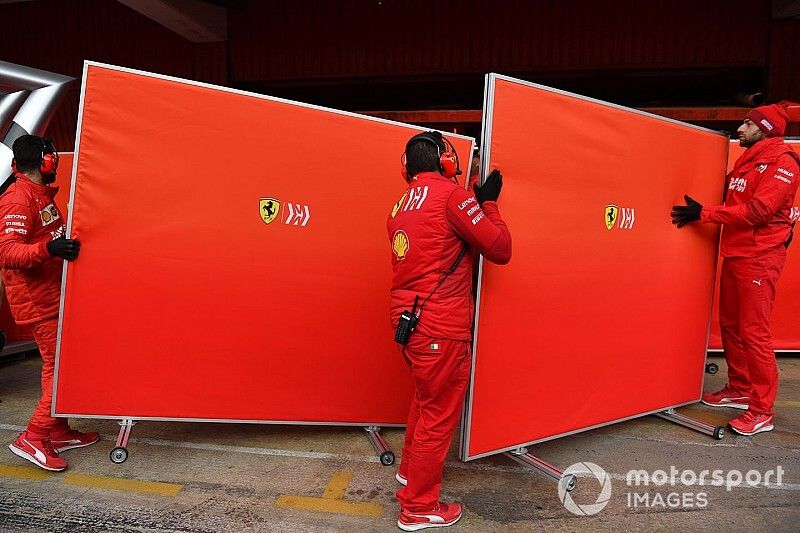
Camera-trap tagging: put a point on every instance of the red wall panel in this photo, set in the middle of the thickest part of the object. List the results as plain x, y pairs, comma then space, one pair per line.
590, 322
209, 311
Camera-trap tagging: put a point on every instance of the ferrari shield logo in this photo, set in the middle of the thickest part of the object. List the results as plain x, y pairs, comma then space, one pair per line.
611, 214
269, 209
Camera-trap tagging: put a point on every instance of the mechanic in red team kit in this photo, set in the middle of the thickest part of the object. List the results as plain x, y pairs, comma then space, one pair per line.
756, 231
32, 249
435, 229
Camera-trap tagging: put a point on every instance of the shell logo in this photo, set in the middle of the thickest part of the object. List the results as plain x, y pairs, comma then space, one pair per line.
400, 244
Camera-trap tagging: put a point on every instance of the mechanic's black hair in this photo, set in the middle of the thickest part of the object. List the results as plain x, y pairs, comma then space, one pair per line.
28, 152
422, 153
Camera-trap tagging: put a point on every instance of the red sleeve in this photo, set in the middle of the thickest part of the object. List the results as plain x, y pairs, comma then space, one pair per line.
480, 226
778, 183
15, 252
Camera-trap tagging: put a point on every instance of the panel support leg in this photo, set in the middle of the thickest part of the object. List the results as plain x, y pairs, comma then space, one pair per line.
120, 453
718, 432
522, 456
382, 449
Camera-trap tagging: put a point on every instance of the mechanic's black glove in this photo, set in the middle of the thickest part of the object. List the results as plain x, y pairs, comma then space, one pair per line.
63, 247
490, 190
684, 214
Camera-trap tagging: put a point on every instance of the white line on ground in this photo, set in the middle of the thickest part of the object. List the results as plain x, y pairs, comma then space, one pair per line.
715, 444
348, 457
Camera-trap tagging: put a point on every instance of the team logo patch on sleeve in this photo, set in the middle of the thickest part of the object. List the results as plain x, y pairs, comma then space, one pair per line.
398, 205
400, 244
49, 214
269, 208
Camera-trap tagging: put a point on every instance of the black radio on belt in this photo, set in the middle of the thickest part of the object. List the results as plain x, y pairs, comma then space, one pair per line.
407, 324
408, 319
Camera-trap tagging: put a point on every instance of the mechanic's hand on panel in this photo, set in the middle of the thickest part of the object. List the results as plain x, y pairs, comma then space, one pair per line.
684, 214
490, 190
63, 247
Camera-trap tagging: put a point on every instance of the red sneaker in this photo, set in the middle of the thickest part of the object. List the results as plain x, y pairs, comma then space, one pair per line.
751, 423
443, 515
726, 397
71, 439
39, 452
401, 479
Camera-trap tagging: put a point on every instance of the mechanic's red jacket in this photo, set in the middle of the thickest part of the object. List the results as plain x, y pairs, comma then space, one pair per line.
758, 201
428, 227
31, 275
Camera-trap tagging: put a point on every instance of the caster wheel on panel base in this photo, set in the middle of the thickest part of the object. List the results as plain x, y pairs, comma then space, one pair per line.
119, 455
569, 482
387, 458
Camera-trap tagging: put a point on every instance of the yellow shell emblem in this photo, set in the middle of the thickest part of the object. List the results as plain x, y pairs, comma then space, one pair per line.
400, 244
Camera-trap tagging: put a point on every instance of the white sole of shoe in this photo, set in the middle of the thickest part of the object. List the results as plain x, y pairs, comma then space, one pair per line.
25, 455
74, 446
403, 481
417, 527
742, 406
759, 430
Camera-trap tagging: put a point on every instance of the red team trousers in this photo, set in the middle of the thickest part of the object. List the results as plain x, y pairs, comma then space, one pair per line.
440, 373
747, 296
42, 422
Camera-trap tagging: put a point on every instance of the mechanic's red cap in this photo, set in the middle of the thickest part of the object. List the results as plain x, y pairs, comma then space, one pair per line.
772, 119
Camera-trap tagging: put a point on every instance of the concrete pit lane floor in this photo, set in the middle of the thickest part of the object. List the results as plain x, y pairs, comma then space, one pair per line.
193, 477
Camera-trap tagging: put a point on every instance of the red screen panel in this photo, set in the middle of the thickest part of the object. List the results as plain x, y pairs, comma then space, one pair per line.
603, 312
785, 326
234, 261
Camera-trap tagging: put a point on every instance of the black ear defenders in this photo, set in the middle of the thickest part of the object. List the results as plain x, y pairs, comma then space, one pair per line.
49, 162
449, 164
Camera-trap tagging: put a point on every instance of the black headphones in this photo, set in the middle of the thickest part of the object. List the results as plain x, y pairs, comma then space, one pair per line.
448, 162
48, 161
